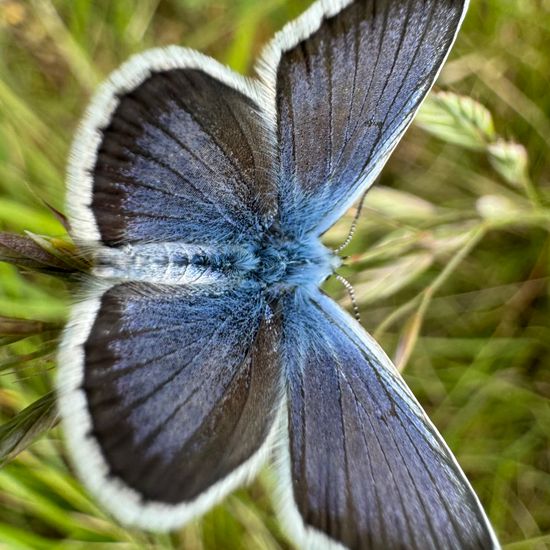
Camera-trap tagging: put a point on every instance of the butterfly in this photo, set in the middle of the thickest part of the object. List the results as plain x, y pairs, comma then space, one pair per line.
203, 345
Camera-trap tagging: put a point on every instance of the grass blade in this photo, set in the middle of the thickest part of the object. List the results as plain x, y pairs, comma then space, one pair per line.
18, 433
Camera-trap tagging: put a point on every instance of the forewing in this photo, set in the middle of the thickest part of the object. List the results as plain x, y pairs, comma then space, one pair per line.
364, 466
347, 78
168, 397
173, 147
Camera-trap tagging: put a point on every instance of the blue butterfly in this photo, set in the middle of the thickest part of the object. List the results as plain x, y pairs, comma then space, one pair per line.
203, 344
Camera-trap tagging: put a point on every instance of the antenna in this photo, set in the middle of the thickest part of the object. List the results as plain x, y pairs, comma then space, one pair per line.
353, 225
351, 292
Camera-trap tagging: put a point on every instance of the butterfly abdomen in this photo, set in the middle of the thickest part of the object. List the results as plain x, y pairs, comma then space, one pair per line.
173, 263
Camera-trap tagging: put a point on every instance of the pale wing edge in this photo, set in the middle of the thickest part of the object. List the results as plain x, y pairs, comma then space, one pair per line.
127, 505
87, 140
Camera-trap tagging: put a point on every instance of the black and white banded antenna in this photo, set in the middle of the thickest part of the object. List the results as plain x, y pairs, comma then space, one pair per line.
351, 291
353, 224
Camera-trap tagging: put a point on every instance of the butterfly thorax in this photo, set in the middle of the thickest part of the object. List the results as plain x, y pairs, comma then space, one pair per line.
272, 262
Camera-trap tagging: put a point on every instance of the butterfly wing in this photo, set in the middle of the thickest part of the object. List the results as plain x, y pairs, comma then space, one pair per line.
364, 467
346, 79
174, 146
168, 393
168, 397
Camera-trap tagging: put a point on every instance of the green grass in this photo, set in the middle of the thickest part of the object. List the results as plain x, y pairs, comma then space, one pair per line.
450, 261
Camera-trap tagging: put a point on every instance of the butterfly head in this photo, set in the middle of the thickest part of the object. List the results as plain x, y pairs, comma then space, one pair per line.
293, 262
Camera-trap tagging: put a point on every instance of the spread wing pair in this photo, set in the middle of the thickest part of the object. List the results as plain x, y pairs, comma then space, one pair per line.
177, 376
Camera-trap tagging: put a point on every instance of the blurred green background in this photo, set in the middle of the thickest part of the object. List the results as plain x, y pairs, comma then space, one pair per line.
450, 262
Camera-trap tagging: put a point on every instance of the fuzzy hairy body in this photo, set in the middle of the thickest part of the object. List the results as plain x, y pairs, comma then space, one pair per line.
275, 263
